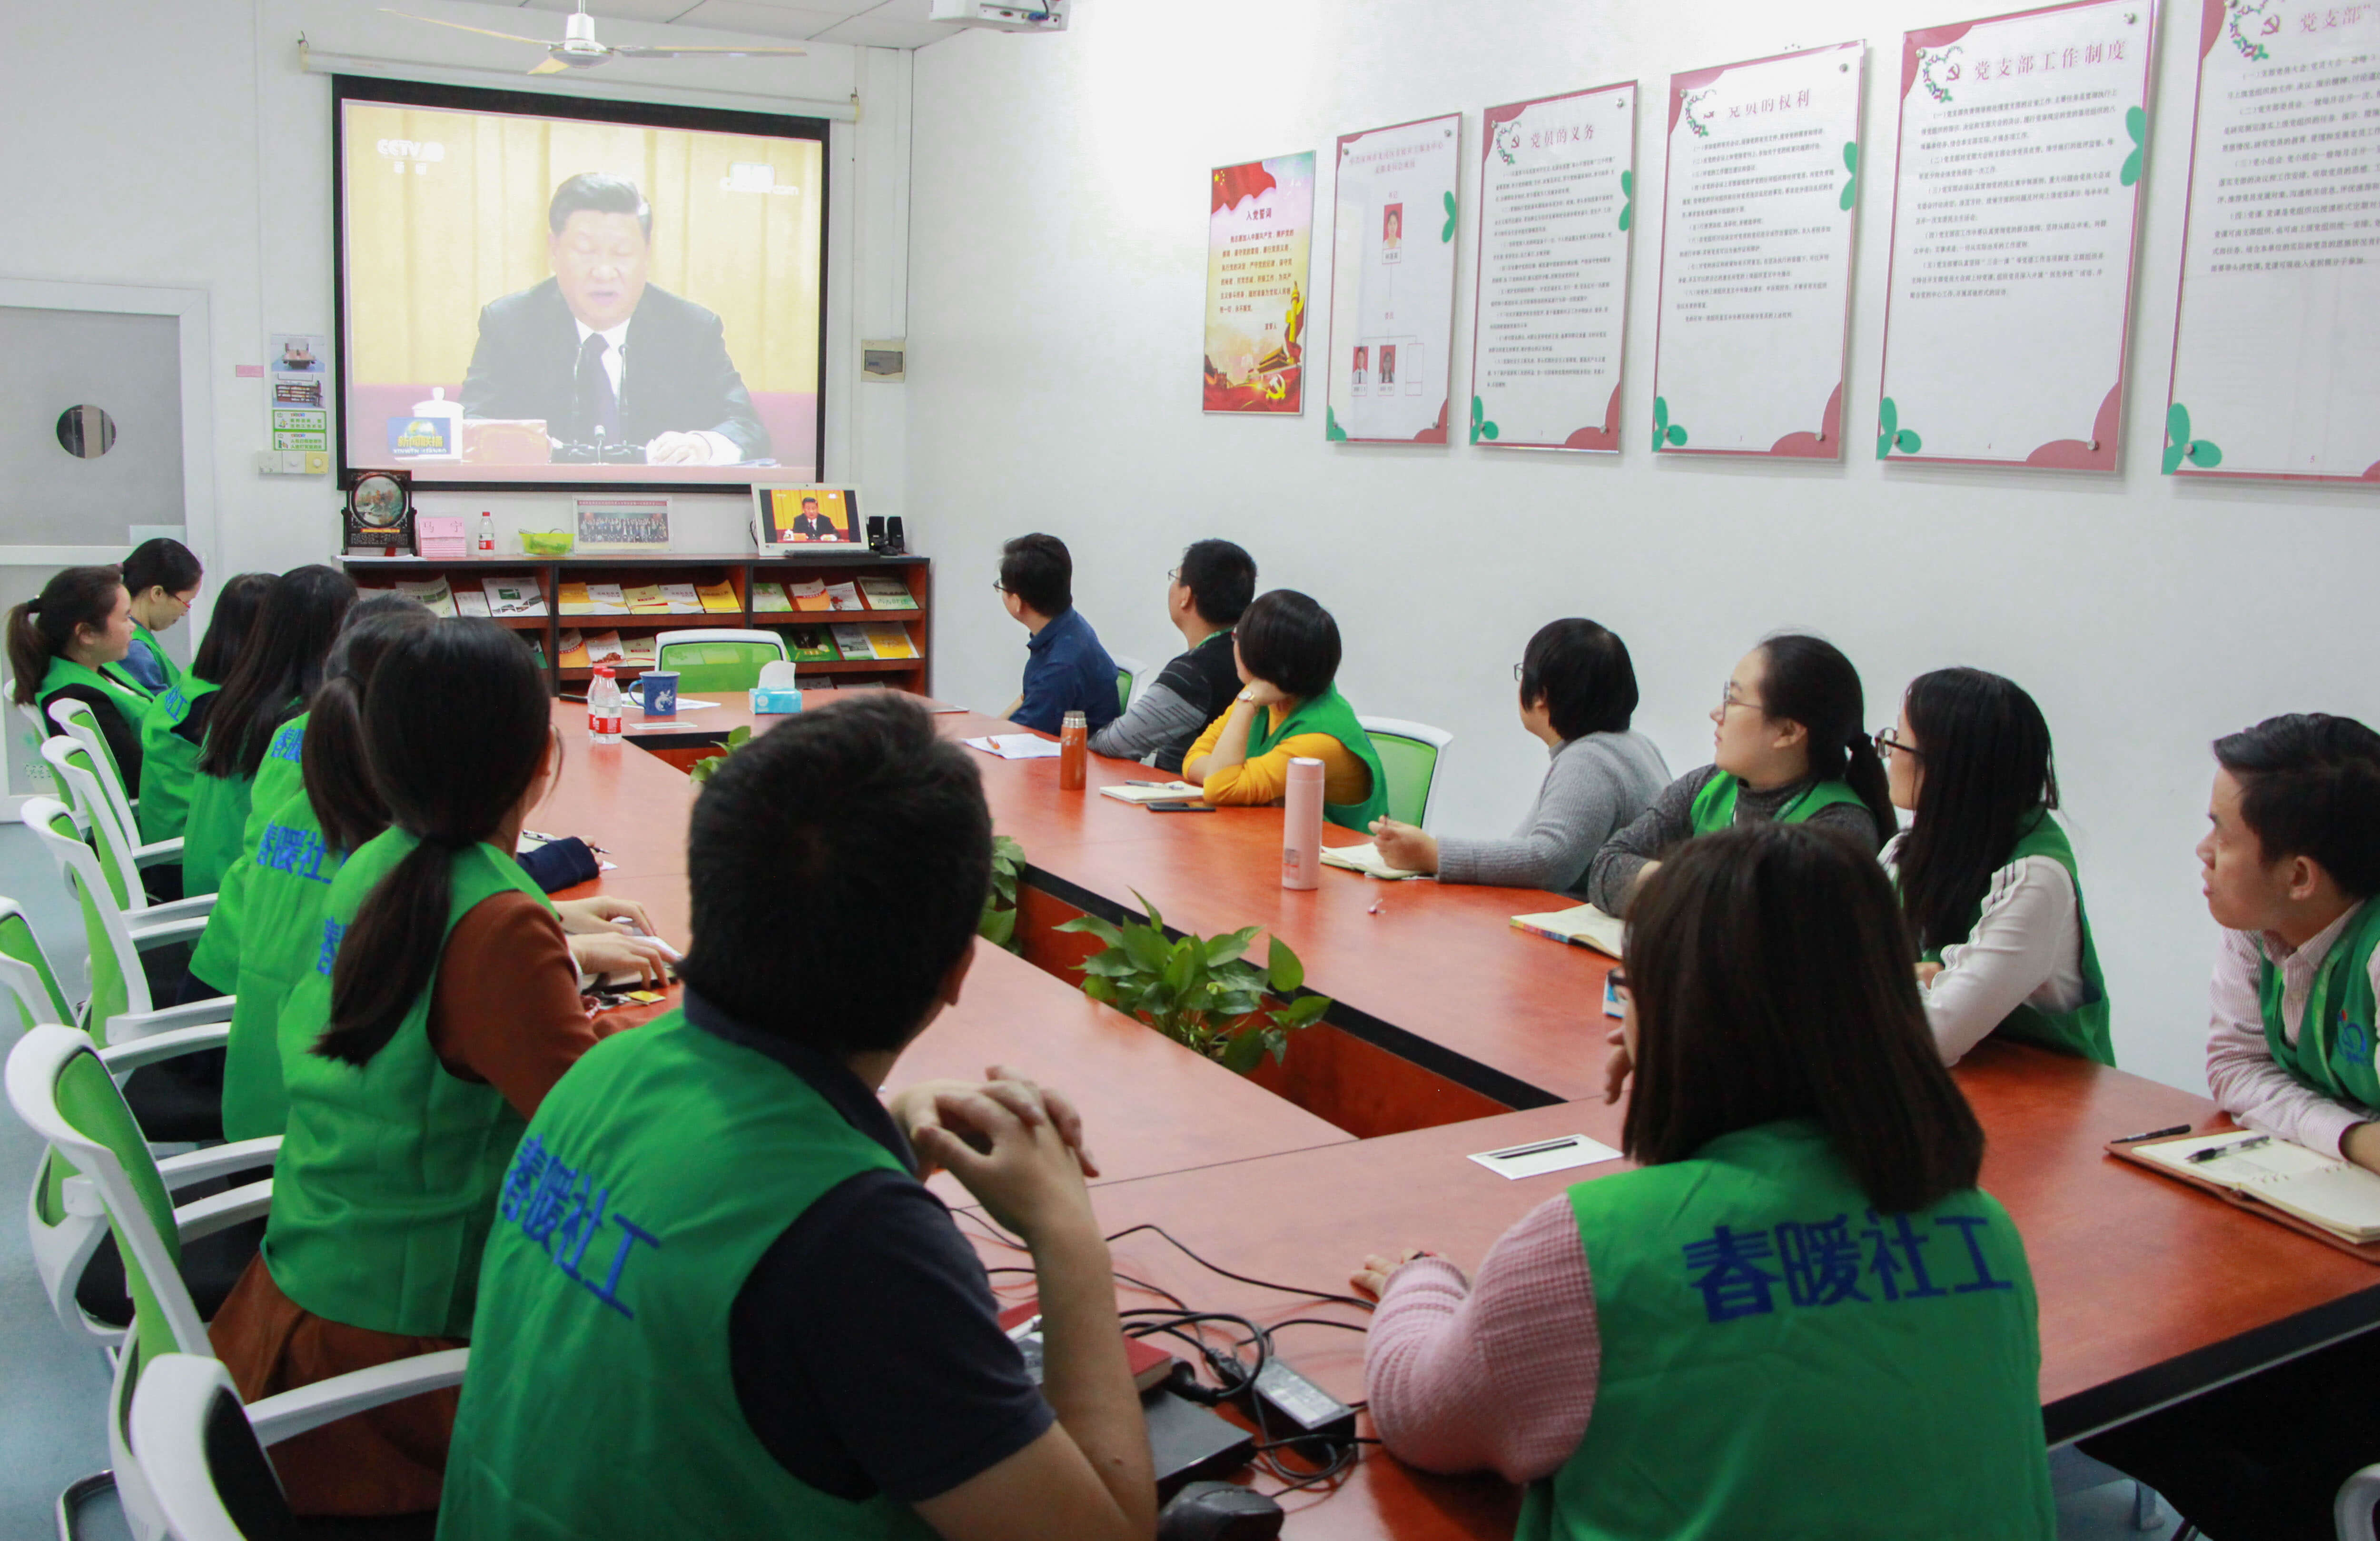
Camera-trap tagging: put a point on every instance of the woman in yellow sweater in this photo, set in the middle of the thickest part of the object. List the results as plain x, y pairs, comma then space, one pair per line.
1287, 649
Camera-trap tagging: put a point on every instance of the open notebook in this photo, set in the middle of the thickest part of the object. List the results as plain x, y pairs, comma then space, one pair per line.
1584, 926
1163, 791
1365, 858
2336, 1196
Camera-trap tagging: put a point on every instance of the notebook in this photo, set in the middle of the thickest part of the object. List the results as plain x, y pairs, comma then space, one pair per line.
1165, 791
2335, 1197
1584, 926
1364, 858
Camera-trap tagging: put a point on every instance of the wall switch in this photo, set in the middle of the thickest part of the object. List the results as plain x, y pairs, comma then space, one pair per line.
293, 462
318, 462
268, 462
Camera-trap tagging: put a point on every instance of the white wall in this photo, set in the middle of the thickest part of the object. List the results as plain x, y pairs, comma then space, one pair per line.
179, 144
1057, 272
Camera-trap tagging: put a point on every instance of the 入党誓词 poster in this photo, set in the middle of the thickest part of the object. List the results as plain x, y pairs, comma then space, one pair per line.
1260, 230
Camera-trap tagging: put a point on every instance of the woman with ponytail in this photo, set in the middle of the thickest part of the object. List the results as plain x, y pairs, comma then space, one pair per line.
439, 1005
177, 723
1986, 876
1789, 744
68, 643
269, 685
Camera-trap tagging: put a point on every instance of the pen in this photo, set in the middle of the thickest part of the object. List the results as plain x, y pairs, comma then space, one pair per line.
1565, 1143
2211, 1152
2152, 1134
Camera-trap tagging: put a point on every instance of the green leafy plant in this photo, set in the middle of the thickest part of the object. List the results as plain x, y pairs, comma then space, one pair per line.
1480, 427
998, 925
703, 770
1890, 435
1201, 992
1664, 431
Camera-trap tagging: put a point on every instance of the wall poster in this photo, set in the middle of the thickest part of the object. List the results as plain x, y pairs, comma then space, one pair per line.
1392, 282
1759, 202
1557, 198
1260, 229
2016, 197
2276, 348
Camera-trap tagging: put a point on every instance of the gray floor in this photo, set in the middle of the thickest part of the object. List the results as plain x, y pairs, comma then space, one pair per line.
53, 1391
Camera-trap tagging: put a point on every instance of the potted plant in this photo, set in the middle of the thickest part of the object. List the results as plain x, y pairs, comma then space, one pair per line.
1201, 992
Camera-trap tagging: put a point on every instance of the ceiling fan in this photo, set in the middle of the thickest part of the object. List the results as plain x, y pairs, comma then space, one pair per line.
578, 49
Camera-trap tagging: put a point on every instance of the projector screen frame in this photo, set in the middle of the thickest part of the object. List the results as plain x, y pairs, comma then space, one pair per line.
535, 103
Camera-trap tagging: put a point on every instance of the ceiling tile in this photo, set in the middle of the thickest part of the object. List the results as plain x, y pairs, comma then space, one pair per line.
879, 29
775, 21
906, 10
619, 10
830, 8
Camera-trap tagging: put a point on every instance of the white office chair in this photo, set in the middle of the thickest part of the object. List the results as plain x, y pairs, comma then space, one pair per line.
114, 836
1411, 754
76, 719
2351, 1513
716, 658
64, 1089
122, 1008
33, 721
1128, 673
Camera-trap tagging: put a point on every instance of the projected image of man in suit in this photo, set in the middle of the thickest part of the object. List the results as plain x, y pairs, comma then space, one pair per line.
601, 354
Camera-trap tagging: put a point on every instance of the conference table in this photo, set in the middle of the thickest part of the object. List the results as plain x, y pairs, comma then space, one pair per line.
2150, 1291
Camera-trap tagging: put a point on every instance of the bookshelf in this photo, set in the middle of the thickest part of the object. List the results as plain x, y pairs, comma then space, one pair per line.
738, 570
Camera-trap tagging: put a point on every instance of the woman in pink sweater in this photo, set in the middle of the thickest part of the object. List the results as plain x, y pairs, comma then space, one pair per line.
1800, 1316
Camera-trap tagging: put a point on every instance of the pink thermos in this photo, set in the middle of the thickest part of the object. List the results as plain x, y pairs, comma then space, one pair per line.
1301, 826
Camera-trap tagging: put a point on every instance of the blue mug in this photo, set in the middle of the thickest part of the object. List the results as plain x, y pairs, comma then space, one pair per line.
657, 693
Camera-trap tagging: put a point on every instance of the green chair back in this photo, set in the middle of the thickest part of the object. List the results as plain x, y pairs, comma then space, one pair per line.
111, 996
1127, 670
718, 665
1411, 761
20, 947
88, 1098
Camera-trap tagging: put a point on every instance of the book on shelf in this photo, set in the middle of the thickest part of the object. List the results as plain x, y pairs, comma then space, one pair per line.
681, 599
718, 599
811, 594
844, 596
432, 592
641, 651
810, 644
2320, 1194
887, 594
609, 599
570, 649
645, 599
889, 639
768, 595
514, 597
603, 647
570, 598
851, 641
1583, 925
471, 602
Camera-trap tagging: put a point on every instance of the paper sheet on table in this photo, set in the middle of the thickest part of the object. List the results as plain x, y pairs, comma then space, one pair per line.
685, 703
1364, 858
1539, 1156
1015, 746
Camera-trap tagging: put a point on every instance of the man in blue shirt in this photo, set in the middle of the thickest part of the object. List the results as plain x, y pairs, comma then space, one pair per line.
1067, 669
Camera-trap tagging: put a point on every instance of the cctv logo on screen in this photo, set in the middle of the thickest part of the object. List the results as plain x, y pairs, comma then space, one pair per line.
419, 154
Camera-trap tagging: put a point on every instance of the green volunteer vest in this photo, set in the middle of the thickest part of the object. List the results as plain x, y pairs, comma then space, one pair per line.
1779, 1361
219, 807
2083, 1030
2333, 1052
1714, 806
287, 887
176, 674
386, 1182
110, 682
654, 1175
1329, 713
278, 778
169, 763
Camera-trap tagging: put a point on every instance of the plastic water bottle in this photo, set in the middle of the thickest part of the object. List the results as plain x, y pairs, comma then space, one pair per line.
487, 533
603, 707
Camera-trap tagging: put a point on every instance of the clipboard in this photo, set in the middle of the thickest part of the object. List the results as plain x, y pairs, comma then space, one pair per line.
2368, 1250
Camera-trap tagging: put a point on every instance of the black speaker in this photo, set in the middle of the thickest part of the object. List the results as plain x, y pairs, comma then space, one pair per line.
876, 533
896, 540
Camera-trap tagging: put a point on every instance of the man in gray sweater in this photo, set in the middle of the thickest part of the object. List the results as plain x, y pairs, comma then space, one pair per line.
1210, 589
1578, 694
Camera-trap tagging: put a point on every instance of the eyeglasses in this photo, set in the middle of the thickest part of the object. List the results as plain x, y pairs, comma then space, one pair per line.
1729, 699
1175, 576
1516, 671
998, 587
1887, 744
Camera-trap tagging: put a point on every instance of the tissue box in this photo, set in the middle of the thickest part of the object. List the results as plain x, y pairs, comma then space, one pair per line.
776, 701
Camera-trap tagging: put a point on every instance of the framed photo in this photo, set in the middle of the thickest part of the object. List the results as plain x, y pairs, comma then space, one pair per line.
796, 521
623, 523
